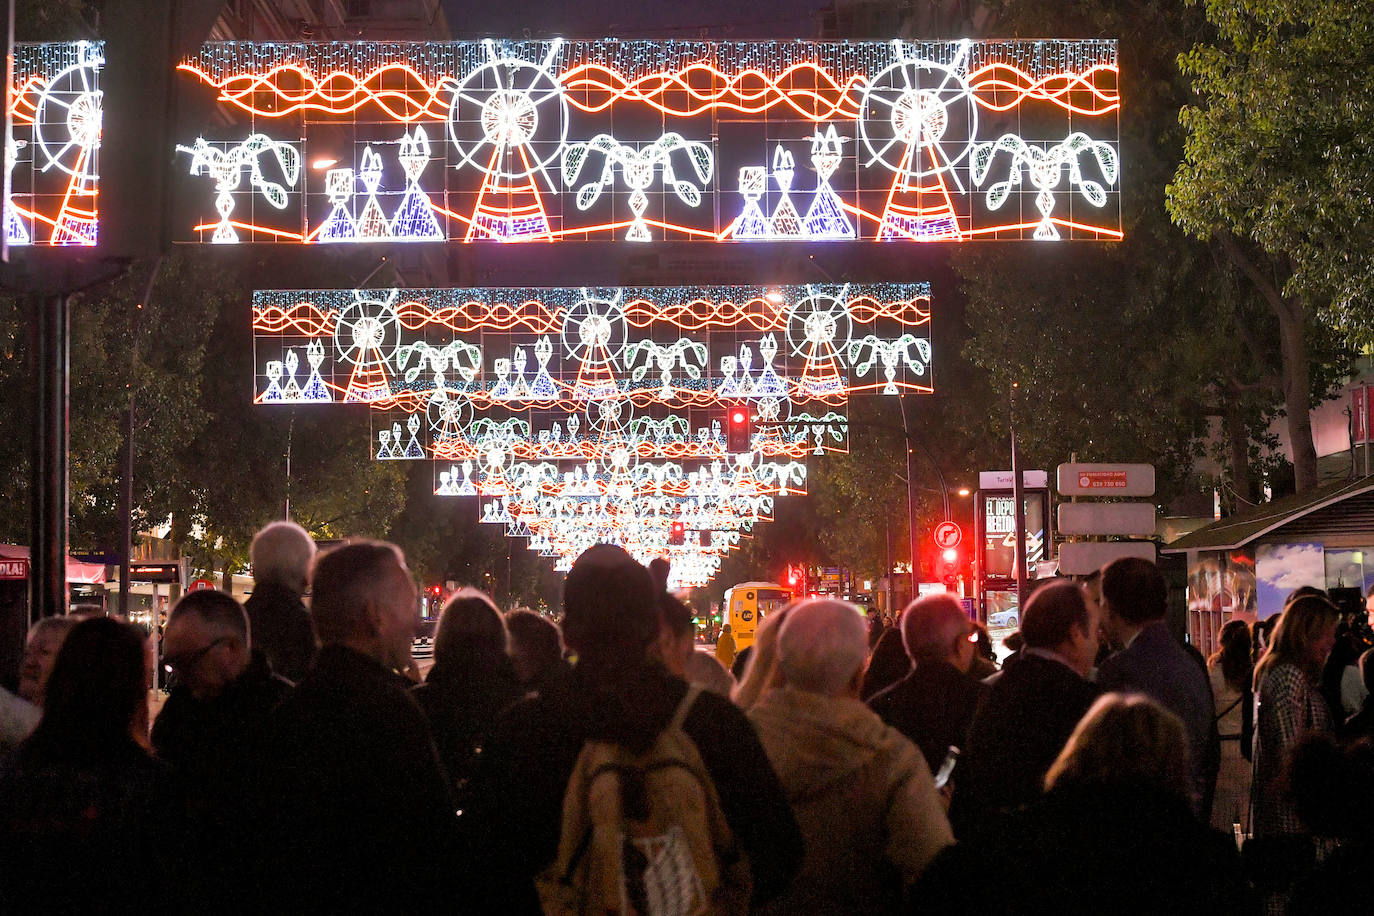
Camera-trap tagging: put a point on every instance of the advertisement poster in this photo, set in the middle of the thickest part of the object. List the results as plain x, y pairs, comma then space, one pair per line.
1281, 568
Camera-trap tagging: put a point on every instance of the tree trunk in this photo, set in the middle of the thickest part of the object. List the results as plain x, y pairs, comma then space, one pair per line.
1238, 438
1297, 394
1296, 370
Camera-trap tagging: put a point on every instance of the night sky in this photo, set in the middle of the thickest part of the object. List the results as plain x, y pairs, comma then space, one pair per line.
721, 19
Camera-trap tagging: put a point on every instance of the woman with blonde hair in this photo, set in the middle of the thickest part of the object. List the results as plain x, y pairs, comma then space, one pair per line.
1288, 705
1124, 739
761, 673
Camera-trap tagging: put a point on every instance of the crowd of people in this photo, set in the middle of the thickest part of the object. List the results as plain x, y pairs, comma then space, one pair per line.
612, 765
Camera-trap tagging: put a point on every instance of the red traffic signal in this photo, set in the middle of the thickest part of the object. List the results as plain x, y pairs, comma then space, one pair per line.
738, 430
676, 533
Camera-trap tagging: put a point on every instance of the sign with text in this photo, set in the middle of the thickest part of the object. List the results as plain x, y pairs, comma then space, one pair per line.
997, 531
14, 568
1002, 480
1105, 479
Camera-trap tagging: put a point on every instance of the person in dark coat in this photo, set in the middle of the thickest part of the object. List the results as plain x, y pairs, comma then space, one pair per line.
353, 810
1153, 662
934, 704
89, 821
280, 555
619, 692
536, 650
216, 712
1029, 712
1114, 833
888, 663
471, 682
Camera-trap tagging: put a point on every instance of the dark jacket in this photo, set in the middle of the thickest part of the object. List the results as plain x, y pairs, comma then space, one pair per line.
207, 740
91, 831
209, 744
513, 825
1091, 850
1019, 730
933, 706
280, 626
353, 808
461, 699
1159, 666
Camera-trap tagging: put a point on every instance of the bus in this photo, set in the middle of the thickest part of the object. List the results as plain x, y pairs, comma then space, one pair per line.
748, 603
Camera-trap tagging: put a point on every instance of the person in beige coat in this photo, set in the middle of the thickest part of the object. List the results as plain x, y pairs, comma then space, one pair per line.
862, 793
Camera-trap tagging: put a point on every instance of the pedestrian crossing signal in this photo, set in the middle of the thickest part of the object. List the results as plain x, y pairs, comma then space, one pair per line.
676, 533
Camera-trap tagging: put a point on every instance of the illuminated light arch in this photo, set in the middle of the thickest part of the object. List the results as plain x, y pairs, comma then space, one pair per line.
510, 112
580, 415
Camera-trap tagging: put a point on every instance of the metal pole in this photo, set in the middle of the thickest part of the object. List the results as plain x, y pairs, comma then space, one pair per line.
48, 528
126, 509
910, 498
1018, 510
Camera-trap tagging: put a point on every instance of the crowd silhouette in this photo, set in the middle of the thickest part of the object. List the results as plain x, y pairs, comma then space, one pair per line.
607, 763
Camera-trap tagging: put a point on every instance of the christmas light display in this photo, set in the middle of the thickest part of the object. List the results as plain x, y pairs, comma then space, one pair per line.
633, 140
573, 374
679, 140
579, 415
53, 156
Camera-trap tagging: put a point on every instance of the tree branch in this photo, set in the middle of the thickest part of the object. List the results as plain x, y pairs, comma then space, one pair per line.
1281, 306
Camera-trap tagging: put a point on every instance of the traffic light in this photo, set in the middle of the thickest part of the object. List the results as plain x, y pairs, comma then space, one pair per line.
677, 533
949, 567
738, 430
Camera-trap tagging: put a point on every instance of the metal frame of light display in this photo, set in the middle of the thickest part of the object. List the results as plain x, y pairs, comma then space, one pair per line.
926, 141
576, 413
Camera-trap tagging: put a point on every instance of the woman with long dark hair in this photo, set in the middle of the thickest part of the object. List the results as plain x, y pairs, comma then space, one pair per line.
86, 818
1231, 671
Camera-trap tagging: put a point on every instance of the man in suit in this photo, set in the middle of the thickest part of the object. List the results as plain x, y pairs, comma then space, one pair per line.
1030, 711
1151, 661
934, 704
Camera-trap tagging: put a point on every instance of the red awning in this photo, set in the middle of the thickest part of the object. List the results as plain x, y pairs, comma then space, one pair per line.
77, 571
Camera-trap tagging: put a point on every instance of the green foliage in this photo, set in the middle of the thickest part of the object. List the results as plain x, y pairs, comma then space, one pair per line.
1278, 148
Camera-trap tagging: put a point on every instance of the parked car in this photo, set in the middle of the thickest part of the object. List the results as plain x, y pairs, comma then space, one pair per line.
1008, 619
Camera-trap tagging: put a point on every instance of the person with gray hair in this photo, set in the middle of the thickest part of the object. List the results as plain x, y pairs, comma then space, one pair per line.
935, 703
862, 793
352, 805
281, 555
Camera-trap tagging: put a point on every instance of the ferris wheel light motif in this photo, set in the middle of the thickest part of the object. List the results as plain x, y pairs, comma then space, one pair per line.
509, 120
66, 136
366, 335
919, 120
579, 415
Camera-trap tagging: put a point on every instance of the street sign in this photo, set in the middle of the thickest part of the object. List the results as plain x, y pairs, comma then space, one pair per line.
198, 585
1107, 518
1083, 558
1106, 480
1002, 480
947, 535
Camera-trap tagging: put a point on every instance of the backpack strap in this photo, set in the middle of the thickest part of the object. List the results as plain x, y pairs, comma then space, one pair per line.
683, 708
